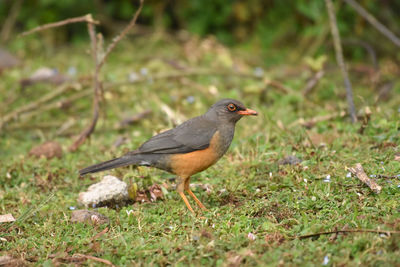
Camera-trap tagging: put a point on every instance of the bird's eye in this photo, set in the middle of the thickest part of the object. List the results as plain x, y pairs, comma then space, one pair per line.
231, 107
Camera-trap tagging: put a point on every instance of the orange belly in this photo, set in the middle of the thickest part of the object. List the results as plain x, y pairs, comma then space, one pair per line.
185, 165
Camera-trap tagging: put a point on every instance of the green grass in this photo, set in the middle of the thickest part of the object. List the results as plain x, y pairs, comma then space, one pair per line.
250, 193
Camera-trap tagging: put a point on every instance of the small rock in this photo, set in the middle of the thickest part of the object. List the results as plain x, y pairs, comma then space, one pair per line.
72, 71
144, 71
251, 236
7, 60
45, 75
88, 216
258, 71
327, 179
110, 190
133, 77
326, 260
289, 160
190, 99
49, 149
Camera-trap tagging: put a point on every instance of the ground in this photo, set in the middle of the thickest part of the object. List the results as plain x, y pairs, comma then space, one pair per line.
257, 207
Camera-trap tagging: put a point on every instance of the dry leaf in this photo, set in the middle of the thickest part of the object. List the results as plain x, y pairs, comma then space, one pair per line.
155, 192
49, 149
141, 196
7, 218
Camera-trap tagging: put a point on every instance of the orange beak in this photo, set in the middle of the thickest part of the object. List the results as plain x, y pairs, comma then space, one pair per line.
247, 112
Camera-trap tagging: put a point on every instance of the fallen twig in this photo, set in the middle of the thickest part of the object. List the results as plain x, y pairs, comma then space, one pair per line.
374, 22
105, 230
56, 104
313, 82
311, 122
340, 60
132, 119
358, 170
87, 18
96, 92
107, 262
387, 232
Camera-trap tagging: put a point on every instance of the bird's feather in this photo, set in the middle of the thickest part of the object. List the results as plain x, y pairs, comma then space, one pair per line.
194, 134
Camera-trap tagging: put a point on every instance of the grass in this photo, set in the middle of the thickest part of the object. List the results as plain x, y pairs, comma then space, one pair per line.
250, 193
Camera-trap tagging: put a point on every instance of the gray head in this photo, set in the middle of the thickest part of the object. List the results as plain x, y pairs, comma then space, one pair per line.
229, 110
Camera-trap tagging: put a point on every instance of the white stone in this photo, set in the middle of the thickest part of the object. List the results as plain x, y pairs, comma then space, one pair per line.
110, 189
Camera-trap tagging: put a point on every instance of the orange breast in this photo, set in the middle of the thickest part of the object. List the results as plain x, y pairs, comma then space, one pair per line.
185, 165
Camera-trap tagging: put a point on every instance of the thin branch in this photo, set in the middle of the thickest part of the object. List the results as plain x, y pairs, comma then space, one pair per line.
370, 50
56, 104
387, 232
96, 92
340, 60
119, 37
87, 18
97, 86
313, 82
374, 22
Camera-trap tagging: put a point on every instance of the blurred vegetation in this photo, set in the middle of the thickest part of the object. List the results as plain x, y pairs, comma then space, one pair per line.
266, 22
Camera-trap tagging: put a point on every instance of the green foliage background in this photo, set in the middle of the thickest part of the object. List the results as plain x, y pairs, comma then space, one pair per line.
267, 21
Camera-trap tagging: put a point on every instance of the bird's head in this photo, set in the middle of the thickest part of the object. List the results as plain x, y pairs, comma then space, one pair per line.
229, 110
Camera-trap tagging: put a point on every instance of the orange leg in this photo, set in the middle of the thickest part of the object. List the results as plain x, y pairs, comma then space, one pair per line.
180, 188
186, 201
196, 199
187, 189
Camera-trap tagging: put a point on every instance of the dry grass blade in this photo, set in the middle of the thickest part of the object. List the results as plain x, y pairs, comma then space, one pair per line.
358, 170
107, 262
387, 232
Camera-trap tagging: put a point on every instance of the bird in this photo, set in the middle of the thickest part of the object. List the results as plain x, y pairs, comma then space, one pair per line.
187, 149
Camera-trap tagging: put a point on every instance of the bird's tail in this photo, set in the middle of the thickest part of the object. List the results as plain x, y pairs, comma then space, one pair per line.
111, 164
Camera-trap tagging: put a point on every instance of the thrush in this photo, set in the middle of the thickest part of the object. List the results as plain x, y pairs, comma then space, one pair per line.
187, 149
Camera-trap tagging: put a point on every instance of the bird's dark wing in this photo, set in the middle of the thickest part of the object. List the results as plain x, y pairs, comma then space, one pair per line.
194, 134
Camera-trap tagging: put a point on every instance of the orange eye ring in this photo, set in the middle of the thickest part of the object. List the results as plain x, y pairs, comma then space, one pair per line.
231, 107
